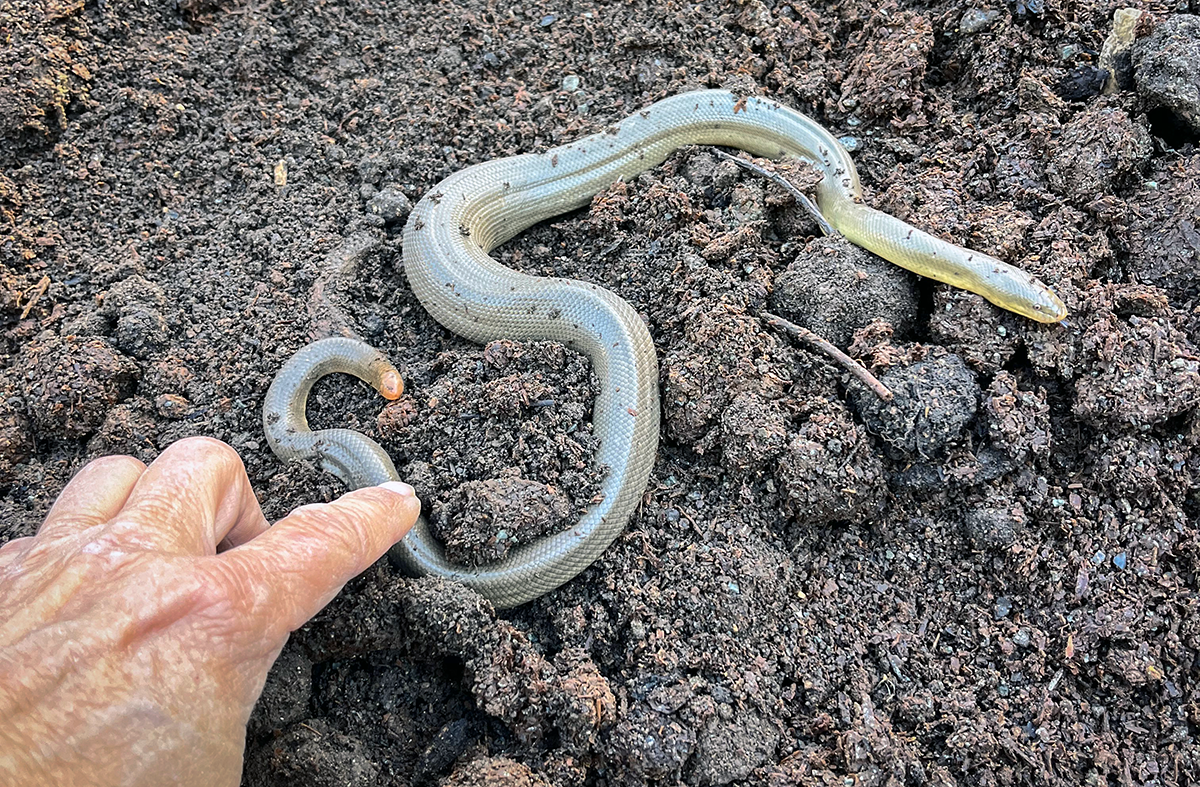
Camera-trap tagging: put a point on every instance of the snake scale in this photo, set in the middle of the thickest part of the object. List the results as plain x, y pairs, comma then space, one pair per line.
447, 241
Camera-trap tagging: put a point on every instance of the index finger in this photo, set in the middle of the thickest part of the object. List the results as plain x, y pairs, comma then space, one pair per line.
297, 566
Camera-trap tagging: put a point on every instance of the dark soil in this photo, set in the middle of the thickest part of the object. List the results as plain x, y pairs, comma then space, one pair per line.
990, 580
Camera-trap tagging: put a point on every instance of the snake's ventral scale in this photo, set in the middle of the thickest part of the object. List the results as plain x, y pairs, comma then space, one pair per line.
446, 245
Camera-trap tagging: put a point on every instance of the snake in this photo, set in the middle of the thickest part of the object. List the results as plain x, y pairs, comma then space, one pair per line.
446, 245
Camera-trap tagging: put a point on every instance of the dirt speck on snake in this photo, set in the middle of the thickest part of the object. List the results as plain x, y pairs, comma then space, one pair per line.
991, 580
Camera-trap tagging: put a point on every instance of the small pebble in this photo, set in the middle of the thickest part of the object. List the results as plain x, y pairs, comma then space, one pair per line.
1119, 560
172, 406
976, 19
547, 20
1003, 607
390, 204
849, 143
1115, 56
571, 83
373, 325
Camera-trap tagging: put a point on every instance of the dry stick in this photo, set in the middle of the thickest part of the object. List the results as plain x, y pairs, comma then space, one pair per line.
845, 361
780, 180
803, 334
38, 292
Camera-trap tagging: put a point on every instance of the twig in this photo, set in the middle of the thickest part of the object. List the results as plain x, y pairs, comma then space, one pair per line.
845, 361
780, 180
38, 292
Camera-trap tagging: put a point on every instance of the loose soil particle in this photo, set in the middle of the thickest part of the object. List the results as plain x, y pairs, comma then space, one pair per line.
1005, 593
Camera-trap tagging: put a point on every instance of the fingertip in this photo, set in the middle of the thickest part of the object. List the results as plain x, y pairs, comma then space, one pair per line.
399, 487
392, 507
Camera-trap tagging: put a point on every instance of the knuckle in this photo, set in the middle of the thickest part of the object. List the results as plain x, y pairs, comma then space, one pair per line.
231, 587
91, 560
372, 502
313, 515
331, 520
243, 595
333, 528
138, 533
12, 553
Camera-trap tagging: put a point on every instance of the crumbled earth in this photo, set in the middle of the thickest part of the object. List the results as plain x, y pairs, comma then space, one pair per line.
991, 579
1168, 68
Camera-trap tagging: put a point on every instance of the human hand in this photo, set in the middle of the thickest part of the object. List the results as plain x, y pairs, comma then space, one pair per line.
138, 625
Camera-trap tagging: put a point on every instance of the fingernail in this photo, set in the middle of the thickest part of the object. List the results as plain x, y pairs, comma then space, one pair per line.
399, 487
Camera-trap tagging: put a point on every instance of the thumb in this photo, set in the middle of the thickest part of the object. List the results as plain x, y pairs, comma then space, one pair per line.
297, 566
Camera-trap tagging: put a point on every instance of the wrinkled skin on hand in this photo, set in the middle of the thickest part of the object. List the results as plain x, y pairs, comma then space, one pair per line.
138, 625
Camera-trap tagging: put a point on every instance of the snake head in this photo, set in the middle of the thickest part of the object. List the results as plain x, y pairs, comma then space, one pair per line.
384, 377
1046, 307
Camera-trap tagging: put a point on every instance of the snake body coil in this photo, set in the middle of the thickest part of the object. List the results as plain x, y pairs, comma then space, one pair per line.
446, 245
